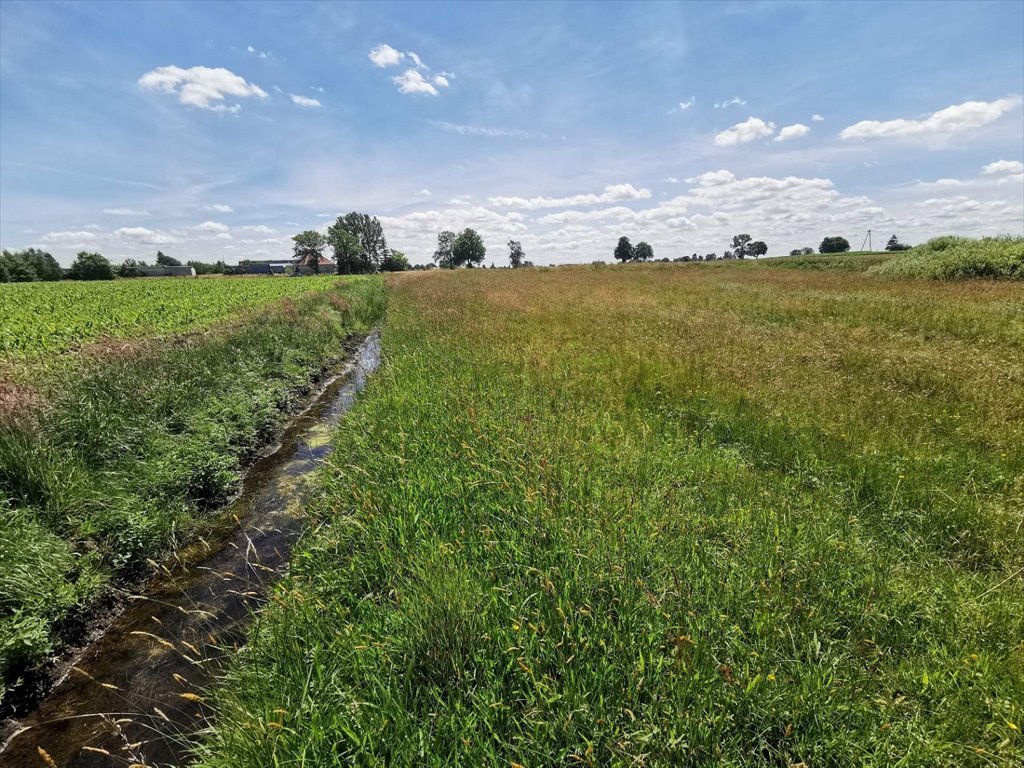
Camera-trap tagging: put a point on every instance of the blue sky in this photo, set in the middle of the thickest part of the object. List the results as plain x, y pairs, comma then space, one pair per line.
212, 130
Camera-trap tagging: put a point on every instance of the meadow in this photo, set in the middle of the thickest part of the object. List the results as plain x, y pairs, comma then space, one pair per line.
115, 452
659, 515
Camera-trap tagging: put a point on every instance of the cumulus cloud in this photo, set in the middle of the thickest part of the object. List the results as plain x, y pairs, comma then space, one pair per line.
143, 235
483, 130
735, 101
260, 228
212, 226
956, 119
70, 238
441, 80
1003, 166
411, 81
794, 131
126, 211
386, 56
423, 193
817, 118
750, 129
304, 101
611, 193
202, 87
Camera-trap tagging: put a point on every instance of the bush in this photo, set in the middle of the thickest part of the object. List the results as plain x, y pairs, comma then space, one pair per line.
91, 266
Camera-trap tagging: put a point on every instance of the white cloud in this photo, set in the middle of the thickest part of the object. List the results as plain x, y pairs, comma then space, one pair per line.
734, 101
750, 129
611, 193
482, 130
212, 226
817, 118
304, 101
126, 211
411, 81
416, 60
441, 80
201, 87
684, 105
385, 56
959, 118
143, 235
260, 54
671, 180
219, 208
423, 193
260, 228
1003, 166
794, 131
316, 88
70, 238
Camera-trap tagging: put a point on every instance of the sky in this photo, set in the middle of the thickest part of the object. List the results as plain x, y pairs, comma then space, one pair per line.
218, 130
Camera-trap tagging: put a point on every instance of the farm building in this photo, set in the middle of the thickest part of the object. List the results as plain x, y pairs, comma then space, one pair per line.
165, 271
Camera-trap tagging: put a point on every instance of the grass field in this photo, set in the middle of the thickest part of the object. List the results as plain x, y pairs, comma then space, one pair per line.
114, 454
660, 515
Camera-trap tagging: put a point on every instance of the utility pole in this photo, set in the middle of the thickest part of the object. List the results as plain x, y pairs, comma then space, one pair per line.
867, 241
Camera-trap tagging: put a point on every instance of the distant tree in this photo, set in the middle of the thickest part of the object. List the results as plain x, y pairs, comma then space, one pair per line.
727, 255
206, 268
710, 256
624, 250
30, 265
90, 266
348, 250
373, 246
805, 251
515, 254
834, 244
741, 245
468, 249
643, 251
757, 248
395, 261
309, 248
444, 255
130, 268
895, 245
163, 260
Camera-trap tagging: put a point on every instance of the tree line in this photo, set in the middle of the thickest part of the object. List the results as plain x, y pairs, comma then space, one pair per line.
837, 244
358, 247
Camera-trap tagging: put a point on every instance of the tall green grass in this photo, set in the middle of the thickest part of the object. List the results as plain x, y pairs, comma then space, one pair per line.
653, 516
134, 444
961, 258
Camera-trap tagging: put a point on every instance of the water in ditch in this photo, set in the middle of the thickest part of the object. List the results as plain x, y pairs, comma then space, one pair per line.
134, 694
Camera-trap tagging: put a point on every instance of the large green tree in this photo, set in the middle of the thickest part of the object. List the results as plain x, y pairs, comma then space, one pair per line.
309, 248
444, 254
91, 266
834, 244
372, 247
643, 251
468, 249
515, 254
163, 260
30, 265
741, 246
757, 248
624, 250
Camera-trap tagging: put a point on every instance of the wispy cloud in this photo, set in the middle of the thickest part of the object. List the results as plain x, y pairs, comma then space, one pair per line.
483, 130
683, 105
956, 119
304, 101
735, 101
611, 194
259, 54
126, 211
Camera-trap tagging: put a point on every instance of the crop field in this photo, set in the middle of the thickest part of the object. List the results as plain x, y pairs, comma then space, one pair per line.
46, 318
112, 456
659, 515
